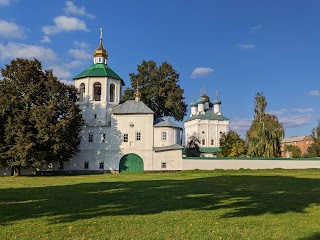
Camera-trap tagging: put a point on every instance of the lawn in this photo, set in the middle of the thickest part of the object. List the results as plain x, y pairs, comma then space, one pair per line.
244, 204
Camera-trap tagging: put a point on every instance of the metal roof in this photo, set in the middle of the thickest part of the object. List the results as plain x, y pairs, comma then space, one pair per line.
99, 70
168, 148
132, 107
165, 122
209, 115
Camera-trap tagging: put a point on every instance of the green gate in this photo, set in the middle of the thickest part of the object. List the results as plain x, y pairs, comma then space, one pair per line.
131, 163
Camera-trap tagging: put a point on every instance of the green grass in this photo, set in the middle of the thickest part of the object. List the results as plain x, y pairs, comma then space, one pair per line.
244, 204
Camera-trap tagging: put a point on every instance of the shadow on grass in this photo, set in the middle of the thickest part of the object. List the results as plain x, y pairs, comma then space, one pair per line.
237, 195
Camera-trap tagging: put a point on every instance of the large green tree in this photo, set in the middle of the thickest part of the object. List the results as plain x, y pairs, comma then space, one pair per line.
265, 133
159, 88
314, 148
39, 118
232, 145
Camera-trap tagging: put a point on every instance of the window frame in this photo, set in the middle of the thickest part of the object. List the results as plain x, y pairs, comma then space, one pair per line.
164, 136
90, 137
138, 136
86, 165
125, 137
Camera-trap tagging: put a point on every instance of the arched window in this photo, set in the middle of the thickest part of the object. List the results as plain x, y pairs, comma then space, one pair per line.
82, 91
97, 91
112, 92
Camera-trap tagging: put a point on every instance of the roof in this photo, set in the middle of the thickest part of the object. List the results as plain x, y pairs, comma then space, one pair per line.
99, 70
168, 148
132, 107
209, 115
293, 139
165, 122
209, 149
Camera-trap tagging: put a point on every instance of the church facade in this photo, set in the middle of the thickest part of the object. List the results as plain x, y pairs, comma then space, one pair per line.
207, 123
120, 136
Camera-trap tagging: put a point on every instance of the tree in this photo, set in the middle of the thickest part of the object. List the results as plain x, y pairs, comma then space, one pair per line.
159, 89
314, 148
265, 133
232, 145
39, 118
294, 150
192, 148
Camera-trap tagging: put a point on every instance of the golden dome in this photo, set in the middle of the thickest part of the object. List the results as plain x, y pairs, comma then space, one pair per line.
100, 51
205, 97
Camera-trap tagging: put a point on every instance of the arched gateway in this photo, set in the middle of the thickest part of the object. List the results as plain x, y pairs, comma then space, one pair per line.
131, 163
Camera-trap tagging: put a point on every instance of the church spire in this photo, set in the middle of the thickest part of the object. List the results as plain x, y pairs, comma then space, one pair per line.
137, 94
100, 54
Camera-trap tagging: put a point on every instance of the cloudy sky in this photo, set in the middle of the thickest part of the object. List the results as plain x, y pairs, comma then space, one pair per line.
235, 48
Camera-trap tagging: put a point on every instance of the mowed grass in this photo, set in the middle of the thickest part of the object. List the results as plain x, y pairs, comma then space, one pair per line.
244, 204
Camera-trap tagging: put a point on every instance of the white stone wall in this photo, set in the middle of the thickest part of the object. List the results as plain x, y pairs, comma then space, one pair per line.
173, 136
173, 160
190, 164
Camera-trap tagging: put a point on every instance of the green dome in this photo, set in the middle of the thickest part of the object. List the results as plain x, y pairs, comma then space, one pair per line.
200, 101
217, 101
193, 103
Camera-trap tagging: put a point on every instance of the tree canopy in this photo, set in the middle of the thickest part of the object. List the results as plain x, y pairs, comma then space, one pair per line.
159, 88
192, 147
39, 118
265, 133
232, 145
314, 148
294, 150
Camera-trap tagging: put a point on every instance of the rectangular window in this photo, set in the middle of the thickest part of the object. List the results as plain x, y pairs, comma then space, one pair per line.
95, 116
164, 136
101, 165
103, 137
203, 142
90, 137
138, 136
126, 137
212, 142
163, 165
86, 165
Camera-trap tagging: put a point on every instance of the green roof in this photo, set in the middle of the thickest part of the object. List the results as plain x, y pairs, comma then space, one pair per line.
209, 149
209, 115
99, 70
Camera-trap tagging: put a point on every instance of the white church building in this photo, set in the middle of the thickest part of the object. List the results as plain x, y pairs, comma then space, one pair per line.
120, 137
207, 123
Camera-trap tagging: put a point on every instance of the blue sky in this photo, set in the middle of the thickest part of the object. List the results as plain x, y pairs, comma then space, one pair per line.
237, 48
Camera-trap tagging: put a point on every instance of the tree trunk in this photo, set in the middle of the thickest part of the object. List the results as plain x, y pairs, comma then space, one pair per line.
16, 171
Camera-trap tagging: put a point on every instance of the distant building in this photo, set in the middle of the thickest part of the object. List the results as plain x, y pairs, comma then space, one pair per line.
302, 142
208, 123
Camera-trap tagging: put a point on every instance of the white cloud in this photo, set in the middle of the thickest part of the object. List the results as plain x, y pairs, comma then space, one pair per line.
303, 110
80, 54
60, 72
246, 46
45, 39
81, 44
278, 112
4, 2
72, 9
19, 50
314, 92
240, 124
64, 23
201, 72
74, 64
10, 30
295, 121
255, 28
